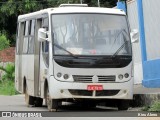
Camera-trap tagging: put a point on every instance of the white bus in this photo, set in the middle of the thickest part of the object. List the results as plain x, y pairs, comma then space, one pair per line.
74, 53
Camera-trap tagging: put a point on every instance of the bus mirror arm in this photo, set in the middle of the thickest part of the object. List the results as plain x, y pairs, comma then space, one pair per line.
134, 36
42, 35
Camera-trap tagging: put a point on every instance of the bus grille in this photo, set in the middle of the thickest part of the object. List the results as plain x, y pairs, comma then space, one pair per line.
97, 93
110, 78
81, 78
81, 92
107, 92
88, 78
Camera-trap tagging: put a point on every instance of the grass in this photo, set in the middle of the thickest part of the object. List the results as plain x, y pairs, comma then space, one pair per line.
155, 107
146, 108
7, 88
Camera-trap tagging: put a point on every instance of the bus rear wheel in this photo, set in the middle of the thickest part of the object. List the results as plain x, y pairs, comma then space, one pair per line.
28, 99
38, 102
52, 104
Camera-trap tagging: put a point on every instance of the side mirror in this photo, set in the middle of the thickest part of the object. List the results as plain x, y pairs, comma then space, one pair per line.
134, 36
42, 35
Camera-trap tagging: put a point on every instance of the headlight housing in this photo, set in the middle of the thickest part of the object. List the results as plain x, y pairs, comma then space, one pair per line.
65, 76
120, 76
126, 75
59, 74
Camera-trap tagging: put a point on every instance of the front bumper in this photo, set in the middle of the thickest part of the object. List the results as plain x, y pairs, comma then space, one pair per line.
66, 90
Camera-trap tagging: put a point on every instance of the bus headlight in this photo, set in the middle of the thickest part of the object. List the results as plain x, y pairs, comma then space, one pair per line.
126, 75
65, 76
59, 75
120, 76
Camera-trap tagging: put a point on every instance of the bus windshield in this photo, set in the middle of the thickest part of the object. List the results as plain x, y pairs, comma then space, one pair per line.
90, 34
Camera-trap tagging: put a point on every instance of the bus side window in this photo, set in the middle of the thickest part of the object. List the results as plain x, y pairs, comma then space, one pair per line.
17, 38
25, 42
45, 23
45, 47
45, 44
31, 37
45, 52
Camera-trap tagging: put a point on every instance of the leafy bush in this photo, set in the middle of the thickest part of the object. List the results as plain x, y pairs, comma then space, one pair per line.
9, 72
7, 88
155, 107
4, 42
7, 85
145, 108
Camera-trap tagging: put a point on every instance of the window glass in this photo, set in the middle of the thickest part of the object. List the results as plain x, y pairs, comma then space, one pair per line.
17, 41
91, 34
45, 47
31, 37
45, 52
30, 24
45, 23
32, 27
25, 45
25, 42
26, 28
31, 45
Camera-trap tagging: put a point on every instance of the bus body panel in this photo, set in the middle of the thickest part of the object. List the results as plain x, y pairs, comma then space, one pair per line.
57, 85
93, 71
61, 89
28, 72
18, 73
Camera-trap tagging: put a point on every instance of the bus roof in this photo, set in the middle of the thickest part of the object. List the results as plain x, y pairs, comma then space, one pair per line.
73, 5
73, 10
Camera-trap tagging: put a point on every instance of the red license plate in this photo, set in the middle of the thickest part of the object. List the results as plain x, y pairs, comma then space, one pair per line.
95, 87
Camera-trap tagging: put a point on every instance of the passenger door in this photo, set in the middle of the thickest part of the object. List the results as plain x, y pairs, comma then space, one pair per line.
41, 57
37, 87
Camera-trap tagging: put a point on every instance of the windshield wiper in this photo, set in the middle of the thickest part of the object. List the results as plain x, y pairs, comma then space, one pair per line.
119, 49
58, 46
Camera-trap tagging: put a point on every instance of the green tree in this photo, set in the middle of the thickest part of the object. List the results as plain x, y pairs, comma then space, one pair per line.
4, 42
9, 11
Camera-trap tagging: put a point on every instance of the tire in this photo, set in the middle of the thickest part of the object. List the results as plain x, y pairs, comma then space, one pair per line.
38, 102
28, 99
52, 104
123, 104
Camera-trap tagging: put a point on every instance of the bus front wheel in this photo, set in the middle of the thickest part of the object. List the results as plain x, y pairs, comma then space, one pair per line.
123, 104
52, 104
